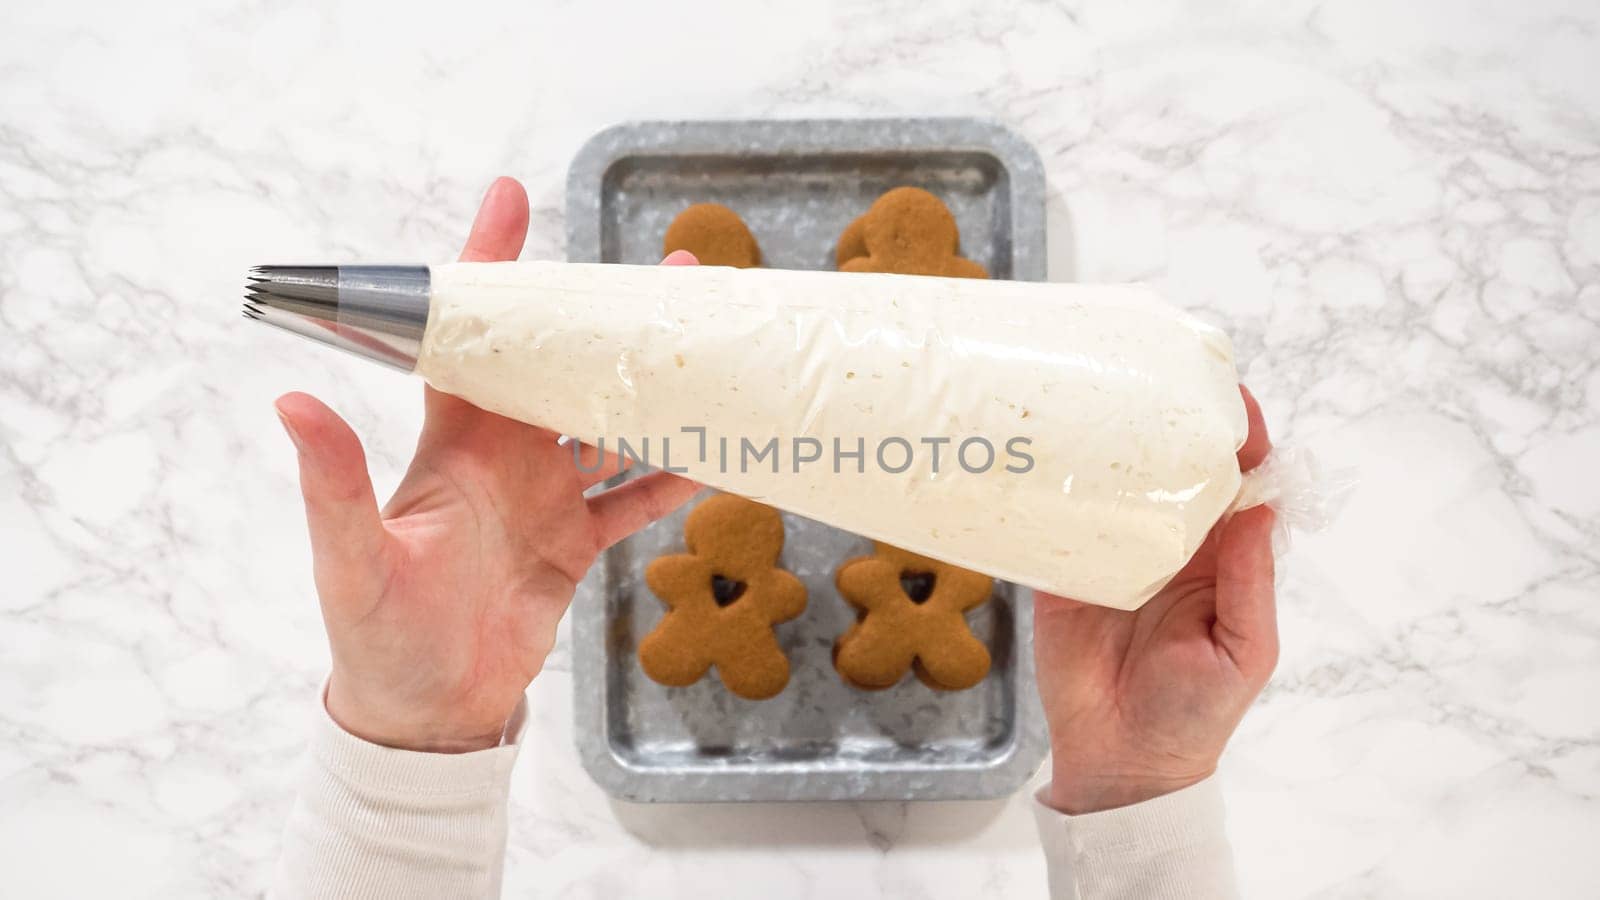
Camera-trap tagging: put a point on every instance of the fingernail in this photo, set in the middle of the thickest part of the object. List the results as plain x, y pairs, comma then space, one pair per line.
293, 435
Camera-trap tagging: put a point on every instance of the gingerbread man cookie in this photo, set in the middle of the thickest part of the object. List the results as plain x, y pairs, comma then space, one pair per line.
852, 242
907, 231
910, 615
715, 235
723, 597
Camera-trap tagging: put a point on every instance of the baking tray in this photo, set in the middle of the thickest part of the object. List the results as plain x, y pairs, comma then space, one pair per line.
797, 184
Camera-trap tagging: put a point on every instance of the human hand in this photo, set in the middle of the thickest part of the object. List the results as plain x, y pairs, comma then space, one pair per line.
441, 608
1141, 703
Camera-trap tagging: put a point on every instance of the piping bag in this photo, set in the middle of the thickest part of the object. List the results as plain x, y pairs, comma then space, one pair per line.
1077, 439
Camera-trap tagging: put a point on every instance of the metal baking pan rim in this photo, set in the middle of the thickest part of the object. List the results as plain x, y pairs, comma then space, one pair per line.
587, 173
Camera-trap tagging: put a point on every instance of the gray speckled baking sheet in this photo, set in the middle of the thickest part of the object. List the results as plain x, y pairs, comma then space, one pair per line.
797, 184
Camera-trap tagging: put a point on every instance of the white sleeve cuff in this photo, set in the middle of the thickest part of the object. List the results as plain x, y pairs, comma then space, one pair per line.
385, 769
1172, 846
374, 821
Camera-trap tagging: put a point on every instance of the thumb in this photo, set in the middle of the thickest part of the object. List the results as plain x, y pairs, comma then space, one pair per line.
347, 534
1247, 614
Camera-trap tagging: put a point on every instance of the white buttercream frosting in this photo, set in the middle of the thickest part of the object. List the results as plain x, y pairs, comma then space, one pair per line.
1129, 408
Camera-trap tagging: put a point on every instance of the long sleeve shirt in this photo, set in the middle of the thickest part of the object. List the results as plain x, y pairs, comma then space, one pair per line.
376, 822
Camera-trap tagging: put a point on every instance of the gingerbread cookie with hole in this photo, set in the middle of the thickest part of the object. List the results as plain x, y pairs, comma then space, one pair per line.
723, 598
907, 231
911, 614
715, 235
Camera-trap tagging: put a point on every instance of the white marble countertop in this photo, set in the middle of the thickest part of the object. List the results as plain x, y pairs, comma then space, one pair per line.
1394, 207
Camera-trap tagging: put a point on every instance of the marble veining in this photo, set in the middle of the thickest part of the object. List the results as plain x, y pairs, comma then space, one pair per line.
1394, 208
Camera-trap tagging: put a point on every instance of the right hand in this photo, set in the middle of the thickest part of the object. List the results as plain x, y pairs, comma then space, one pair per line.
441, 607
1141, 703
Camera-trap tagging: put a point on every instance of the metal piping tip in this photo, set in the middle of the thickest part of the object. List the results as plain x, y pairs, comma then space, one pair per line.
376, 312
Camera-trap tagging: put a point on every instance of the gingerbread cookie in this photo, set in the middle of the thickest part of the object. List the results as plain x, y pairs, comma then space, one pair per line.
907, 231
910, 615
715, 235
852, 243
723, 597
